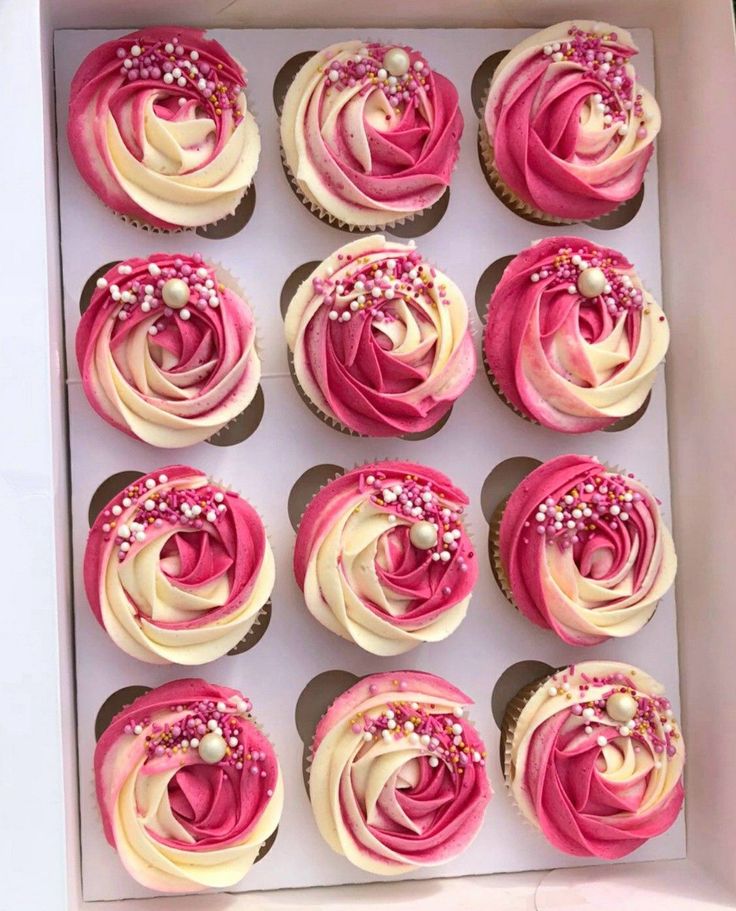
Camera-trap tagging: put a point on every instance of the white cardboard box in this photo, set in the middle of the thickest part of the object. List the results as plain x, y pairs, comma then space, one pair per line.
696, 86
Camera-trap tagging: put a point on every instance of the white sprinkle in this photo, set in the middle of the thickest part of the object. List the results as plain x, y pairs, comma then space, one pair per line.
552, 691
211, 516
168, 78
138, 729
367, 736
457, 728
194, 742
184, 313
602, 741
212, 724
149, 505
434, 761
588, 729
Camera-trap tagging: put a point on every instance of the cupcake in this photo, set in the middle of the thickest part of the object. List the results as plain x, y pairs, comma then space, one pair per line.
380, 339
567, 129
383, 558
166, 351
572, 339
398, 779
582, 550
159, 128
370, 134
189, 787
177, 567
594, 758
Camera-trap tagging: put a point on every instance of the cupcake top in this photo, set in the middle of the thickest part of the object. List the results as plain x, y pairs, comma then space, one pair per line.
594, 759
383, 558
571, 128
398, 778
572, 338
166, 351
177, 567
160, 129
380, 339
584, 550
188, 787
370, 132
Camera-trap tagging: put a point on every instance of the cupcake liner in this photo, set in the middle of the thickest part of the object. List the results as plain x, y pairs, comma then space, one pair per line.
495, 552
508, 725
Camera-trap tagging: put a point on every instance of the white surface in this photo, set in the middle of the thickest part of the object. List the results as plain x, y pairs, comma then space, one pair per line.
493, 636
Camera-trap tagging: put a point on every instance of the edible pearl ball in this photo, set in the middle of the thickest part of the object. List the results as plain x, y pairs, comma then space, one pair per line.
591, 282
621, 707
423, 535
212, 748
175, 293
396, 61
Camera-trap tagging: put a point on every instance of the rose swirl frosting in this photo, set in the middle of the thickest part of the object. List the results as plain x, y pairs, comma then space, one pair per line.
166, 351
383, 558
370, 133
159, 127
177, 567
595, 759
188, 786
584, 550
572, 338
380, 339
398, 778
569, 126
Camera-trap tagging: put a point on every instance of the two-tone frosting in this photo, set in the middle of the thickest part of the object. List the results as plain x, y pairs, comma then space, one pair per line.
370, 132
584, 550
572, 338
594, 759
159, 127
383, 558
188, 786
177, 567
569, 127
380, 339
166, 351
398, 778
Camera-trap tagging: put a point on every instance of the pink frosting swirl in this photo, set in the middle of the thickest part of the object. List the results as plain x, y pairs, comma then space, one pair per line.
572, 337
380, 339
595, 760
188, 787
571, 129
398, 778
166, 351
159, 127
370, 132
177, 567
383, 558
584, 550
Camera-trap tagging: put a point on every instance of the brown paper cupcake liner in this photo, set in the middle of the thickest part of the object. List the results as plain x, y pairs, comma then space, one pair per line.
508, 725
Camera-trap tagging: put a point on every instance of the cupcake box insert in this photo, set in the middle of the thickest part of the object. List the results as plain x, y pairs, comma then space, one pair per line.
90, 239
481, 431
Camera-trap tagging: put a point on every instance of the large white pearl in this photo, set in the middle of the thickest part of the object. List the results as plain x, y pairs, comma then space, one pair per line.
175, 293
591, 282
423, 535
621, 707
212, 748
396, 61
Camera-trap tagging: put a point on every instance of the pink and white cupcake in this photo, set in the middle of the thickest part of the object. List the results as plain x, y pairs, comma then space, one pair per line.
159, 128
583, 550
594, 758
189, 787
380, 339
383, 558
167, 351
370, 133
567, 129
398, 779
573, 340
177, 567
